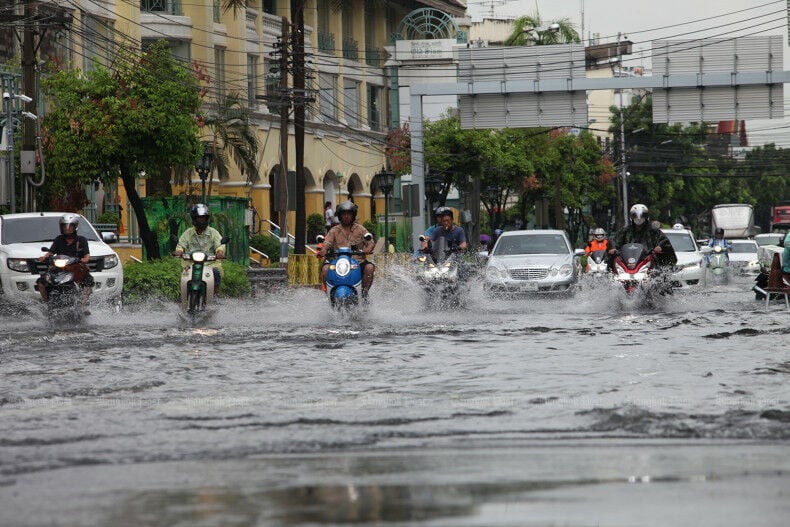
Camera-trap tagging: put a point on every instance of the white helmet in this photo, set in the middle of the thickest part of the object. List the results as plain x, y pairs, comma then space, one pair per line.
69, 219
639, 214
599, 233
678, 227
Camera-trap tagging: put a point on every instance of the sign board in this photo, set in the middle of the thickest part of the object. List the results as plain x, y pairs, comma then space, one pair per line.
424, 49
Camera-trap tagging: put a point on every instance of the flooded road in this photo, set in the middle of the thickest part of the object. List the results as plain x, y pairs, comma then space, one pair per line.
574, 411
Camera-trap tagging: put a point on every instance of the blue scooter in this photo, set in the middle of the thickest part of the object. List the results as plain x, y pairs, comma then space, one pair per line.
344, 278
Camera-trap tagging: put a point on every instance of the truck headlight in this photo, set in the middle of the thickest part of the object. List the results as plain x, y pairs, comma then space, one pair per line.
110, 261
18, 264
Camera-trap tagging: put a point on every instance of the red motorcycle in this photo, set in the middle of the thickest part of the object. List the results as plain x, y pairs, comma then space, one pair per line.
633, 267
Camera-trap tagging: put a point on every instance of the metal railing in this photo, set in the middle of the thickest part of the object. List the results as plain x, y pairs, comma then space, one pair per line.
326, 42
261, 255
291, 239
350, 49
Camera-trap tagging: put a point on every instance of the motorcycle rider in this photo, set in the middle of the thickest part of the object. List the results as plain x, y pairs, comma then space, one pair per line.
640, 230
599, 242
349, 233
719, 240
453, 234
68, 242
437, 215
201, 237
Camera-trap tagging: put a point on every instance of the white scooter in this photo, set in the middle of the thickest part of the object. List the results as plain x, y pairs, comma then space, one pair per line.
718, 264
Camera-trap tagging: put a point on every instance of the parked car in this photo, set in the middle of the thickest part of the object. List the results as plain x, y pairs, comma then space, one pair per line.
532, 261
690, 268
743, 257
23, 235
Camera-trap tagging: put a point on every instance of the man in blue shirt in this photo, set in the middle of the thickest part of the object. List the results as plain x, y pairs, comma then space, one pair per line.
719, 240
454, 236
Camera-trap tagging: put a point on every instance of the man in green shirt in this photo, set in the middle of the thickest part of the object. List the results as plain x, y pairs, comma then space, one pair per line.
201, 237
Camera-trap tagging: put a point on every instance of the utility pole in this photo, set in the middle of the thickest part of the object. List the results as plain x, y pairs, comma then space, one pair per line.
300, 100
283, 181
28, 153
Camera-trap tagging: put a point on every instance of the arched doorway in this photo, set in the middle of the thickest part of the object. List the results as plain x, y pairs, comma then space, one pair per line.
331, 188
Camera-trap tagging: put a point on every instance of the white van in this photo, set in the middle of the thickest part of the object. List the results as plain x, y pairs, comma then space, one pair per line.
22, 238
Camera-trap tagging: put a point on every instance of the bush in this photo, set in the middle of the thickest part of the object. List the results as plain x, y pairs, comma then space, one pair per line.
109, 217
371, 226
315, 225
162, 279
267, 244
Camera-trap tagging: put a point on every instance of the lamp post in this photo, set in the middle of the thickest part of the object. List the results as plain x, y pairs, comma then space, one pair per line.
386, 180
204, 168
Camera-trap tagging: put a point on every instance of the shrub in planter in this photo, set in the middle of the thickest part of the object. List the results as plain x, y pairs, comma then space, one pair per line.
315, 226
162, 279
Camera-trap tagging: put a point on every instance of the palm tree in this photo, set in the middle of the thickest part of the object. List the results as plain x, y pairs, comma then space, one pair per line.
525, 33
233, 139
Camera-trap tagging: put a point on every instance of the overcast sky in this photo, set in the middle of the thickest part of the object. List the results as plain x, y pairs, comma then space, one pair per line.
646, 20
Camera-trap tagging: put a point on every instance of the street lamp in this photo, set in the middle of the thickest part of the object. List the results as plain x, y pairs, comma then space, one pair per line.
386, 181
204, 168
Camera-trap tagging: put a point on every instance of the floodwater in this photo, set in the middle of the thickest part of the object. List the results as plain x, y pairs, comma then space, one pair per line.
576, 412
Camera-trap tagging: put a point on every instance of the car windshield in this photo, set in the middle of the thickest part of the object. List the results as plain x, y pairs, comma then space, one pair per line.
42, 229
744, 247
531, 244
681, 242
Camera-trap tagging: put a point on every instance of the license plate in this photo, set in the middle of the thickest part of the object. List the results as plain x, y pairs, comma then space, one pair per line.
529, 286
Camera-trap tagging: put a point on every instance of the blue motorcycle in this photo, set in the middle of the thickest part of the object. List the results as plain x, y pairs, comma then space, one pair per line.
344, 278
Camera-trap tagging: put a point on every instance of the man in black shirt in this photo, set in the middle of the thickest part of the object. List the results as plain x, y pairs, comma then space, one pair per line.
70, 244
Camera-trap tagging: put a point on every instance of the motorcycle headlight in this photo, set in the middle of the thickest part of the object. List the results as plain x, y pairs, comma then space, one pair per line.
60, 263
18, 264
343, 267
198, 256
110, 261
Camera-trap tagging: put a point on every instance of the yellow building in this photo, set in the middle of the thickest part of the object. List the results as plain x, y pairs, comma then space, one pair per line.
352, 103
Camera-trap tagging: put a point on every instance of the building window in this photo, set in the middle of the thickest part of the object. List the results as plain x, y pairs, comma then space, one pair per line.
217, 13
375, 106
270, 6
180, 49
327, 101
272, 85
252, 81
219, 72
351, 102
97, 42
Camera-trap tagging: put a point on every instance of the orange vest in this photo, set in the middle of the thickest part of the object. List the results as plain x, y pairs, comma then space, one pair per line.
595, 245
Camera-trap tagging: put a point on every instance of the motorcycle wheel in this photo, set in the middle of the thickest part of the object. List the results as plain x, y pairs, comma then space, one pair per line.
194, 302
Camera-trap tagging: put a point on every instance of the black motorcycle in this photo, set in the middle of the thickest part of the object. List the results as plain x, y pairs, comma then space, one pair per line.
62, 276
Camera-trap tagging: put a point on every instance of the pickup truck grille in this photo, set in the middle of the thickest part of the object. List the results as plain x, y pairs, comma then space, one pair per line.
95, 264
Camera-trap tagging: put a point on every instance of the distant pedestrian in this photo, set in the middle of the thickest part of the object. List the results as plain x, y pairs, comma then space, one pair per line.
329, 215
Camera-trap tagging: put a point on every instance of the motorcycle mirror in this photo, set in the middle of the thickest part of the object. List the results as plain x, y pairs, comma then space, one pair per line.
368, 237
319, 239
109, 237
45, 249
224, 240
422, 237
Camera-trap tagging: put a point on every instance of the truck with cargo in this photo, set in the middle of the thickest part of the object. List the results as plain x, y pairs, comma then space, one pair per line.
737, 220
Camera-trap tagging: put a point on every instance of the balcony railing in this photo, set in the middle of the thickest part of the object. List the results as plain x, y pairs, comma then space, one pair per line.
171, 7
326, 42
350, 49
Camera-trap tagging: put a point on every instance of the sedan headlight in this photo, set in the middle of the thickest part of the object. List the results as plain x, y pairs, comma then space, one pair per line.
566, 270
110, 261
18, 264
693, 266
495, 274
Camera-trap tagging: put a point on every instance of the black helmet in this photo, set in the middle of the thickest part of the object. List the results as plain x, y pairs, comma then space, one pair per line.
639, 214
200, 215
347, 206
69, 219
719, 230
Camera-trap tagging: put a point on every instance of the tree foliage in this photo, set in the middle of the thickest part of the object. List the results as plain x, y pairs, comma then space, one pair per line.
140, 118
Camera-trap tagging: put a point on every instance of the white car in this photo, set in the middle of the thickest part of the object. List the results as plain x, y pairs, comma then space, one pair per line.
743, 257
532, 261
22, 238
690, 268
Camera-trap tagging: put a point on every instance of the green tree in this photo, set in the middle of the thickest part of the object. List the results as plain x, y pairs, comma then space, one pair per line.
135, 120
525, 32
233, 139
